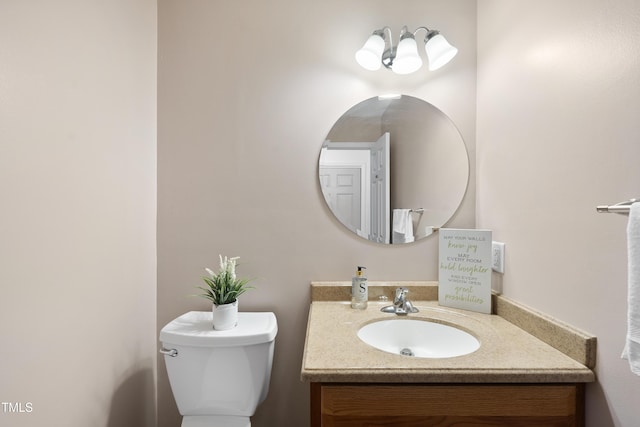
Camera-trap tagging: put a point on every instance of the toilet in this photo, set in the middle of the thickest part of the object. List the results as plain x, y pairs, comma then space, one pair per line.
219, 378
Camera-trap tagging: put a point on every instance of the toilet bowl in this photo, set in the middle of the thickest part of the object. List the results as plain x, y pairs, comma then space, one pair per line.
218, 378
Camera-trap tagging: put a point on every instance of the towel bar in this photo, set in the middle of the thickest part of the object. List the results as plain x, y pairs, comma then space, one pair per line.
621, 208
420, 210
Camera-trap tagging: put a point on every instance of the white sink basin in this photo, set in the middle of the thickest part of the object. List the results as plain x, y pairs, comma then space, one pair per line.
419, 338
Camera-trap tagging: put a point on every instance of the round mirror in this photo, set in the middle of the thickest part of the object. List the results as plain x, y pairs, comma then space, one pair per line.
393, 169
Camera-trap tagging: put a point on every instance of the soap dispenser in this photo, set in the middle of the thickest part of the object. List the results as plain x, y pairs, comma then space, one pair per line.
359, 290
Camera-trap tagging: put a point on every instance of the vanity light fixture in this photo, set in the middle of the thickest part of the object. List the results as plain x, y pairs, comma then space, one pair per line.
404, 58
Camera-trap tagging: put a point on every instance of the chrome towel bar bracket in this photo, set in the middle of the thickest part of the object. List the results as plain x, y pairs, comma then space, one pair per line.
621, 208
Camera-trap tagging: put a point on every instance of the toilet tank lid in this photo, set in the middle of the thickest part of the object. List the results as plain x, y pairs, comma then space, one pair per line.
195, 329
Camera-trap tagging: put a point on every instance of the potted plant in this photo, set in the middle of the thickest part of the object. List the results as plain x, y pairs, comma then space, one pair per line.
223, 289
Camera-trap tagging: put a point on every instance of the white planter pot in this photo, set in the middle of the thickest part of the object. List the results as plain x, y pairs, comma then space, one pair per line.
225, 316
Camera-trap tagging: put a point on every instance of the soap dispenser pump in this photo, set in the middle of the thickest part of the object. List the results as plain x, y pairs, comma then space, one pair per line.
359, 290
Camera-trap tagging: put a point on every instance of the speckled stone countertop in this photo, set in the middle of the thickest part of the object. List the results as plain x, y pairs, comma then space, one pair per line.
507, 354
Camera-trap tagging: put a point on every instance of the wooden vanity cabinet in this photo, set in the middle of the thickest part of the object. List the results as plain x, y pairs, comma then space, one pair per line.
446, 405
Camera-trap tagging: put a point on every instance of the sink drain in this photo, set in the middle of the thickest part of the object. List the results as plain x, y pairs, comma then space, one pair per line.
406, 352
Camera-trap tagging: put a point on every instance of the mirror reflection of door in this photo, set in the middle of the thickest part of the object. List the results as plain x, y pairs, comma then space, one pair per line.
380, 189
354, 177
342, 189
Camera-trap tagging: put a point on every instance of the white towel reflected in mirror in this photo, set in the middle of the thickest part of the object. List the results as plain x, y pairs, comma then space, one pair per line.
402, 226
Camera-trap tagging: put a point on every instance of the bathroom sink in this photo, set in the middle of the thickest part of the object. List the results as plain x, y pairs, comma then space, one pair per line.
419, 338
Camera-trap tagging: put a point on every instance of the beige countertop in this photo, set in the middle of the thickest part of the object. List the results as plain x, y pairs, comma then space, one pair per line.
507, 354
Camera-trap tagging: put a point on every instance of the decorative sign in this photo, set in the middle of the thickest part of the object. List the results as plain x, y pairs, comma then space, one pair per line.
465, 269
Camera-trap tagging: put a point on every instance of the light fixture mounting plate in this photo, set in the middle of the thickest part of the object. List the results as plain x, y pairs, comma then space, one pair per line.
388, 56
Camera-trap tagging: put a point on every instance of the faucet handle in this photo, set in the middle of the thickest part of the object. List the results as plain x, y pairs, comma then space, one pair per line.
401, 306
401, 295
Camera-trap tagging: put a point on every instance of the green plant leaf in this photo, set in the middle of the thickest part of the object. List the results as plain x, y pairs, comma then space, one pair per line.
224, 287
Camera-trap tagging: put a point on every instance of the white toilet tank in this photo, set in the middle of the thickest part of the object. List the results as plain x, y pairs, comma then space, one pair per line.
219, 373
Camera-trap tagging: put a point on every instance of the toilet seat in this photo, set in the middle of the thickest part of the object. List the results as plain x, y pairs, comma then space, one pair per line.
215, 421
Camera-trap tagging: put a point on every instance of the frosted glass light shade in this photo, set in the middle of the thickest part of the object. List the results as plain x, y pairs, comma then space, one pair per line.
370, 56
407, 59
439, 51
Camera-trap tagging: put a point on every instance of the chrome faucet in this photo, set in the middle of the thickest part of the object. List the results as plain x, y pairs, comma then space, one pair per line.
401, 305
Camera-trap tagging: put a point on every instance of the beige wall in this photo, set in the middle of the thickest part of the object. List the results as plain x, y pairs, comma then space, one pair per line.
247, 93
77, 222
558, 127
